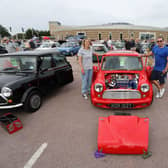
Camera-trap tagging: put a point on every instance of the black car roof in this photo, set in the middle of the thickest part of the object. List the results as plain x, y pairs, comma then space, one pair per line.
32, 53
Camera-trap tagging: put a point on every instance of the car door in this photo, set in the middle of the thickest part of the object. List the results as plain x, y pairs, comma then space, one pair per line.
46, 72
63, 70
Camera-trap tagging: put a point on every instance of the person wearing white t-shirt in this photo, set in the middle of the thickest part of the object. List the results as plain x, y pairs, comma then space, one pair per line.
86, 64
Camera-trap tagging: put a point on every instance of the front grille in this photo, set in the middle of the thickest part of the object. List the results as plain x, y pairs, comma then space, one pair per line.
121, 94
2, 100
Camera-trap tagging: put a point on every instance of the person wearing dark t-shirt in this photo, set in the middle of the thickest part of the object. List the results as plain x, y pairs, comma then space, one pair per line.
127, 44
159, 72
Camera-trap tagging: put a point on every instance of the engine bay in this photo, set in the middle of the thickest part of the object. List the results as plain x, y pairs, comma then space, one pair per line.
121, 81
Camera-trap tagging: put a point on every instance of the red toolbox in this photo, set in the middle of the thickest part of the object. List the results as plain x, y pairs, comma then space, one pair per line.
11, 122
123, 135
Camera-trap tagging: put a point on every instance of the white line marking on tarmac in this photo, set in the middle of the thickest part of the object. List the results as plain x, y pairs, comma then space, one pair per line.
36, 155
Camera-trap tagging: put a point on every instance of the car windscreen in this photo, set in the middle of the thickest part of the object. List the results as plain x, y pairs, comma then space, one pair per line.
45, 45
18, 64
122, 63
99, 49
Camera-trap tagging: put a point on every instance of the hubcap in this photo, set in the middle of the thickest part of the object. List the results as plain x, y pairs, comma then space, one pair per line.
35, 101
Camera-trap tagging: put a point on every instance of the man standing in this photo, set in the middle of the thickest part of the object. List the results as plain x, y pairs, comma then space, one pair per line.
127, 44
158, 75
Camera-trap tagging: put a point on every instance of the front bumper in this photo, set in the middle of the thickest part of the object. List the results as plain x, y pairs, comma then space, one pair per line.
5, 105
11, 106
110, 104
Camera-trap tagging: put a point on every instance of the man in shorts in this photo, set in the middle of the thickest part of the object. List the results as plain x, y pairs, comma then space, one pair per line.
159, 73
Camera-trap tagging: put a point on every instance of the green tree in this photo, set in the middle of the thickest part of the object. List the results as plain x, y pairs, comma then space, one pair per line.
39, 33
29, 33
19, 36
44, 33
4, 32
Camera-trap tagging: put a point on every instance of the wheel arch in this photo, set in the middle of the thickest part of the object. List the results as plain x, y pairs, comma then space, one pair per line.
27, 92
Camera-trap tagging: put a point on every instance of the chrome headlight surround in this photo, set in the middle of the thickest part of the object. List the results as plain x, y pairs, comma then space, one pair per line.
145, 87
98, 87
6, 92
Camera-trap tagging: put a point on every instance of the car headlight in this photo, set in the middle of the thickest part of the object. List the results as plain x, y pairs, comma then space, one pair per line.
7, 92
145, 87
98, 87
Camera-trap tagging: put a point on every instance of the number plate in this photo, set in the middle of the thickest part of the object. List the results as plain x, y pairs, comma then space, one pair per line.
127, 105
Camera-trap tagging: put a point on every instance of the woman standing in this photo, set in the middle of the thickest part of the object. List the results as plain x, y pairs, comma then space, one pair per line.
85, 62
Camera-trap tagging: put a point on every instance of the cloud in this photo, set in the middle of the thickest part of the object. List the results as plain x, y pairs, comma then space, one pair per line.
36, 14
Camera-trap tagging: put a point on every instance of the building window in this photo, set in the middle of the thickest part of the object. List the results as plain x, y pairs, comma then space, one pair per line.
132, 34
147, 35
99, 36
81, 33
121, 36
110, 36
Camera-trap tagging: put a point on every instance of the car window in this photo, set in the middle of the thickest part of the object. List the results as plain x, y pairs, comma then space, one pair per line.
18, 63
99, 50
59, 60
28, 63
46, 62
122, 63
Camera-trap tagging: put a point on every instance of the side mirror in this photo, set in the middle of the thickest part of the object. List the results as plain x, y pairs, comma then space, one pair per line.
95, 68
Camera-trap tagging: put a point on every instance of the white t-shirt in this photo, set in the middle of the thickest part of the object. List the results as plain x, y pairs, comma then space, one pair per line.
86, 58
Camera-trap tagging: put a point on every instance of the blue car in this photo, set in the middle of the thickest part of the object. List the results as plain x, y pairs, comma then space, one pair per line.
69, 49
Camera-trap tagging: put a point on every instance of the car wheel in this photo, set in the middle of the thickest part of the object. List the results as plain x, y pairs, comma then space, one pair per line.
33, 102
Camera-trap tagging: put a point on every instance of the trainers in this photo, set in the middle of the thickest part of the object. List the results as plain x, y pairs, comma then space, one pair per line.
158, 94
85, 96
162, 92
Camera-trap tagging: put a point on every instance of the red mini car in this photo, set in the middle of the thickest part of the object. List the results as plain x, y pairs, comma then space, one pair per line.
121, 81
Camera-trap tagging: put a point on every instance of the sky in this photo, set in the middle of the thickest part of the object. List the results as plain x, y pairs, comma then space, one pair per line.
37, 13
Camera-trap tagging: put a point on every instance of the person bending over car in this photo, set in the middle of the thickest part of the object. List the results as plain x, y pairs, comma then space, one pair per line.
159, 72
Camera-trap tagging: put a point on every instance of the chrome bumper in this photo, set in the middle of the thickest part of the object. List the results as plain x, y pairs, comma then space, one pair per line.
11, 106
4, 103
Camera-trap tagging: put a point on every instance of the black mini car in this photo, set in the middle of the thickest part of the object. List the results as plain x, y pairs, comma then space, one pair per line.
25, 76
3, 50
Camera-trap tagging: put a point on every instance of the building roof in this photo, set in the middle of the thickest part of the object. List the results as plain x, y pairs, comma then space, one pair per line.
112, 26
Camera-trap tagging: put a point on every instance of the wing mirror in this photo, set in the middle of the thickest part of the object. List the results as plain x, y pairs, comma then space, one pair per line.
95, 68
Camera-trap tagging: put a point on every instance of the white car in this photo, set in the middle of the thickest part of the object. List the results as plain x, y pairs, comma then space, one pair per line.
48, 45
98, 49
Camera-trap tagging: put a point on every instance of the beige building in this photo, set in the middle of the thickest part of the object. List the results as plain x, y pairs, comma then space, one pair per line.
114, 31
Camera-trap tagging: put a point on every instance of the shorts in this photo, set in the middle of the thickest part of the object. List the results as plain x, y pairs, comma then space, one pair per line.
158, 75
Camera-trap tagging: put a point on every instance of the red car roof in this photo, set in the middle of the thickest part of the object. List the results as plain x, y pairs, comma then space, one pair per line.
121, 52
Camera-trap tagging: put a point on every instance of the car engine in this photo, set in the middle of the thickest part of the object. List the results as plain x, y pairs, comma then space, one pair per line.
121, 81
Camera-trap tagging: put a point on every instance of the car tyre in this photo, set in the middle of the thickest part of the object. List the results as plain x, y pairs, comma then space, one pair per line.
33, 102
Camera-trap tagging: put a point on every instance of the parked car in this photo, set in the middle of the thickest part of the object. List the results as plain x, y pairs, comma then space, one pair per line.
98, 50
3, 50
119, 45
69, 48
121, 81
47, 45
27, 76
145, 47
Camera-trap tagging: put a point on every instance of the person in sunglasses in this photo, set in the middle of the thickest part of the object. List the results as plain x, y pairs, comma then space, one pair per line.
159, 72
